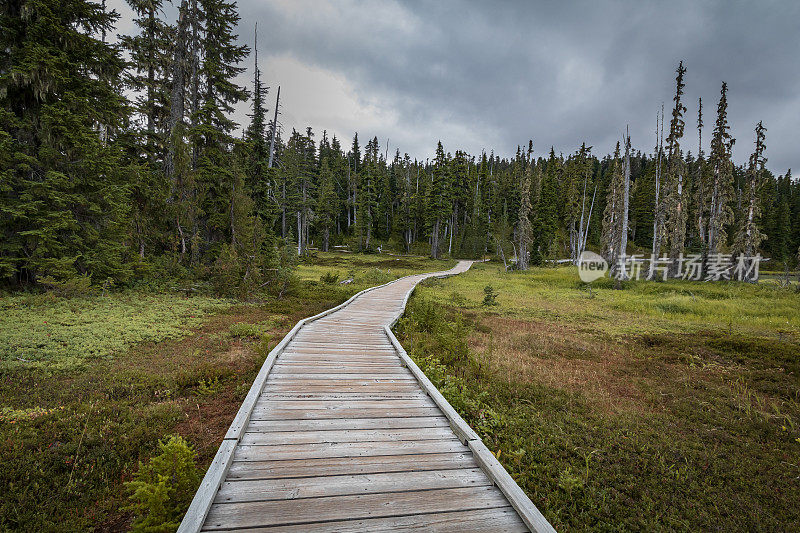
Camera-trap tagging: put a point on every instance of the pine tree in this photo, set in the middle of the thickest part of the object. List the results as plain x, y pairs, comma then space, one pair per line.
300, 179
676, 212
327, 203
63, 196
612, 214
545, 222
438, 199
780, 238
749, 236
148, 75
366, 196
404, 220
524, 228
257, 177
720, 212
579, 176
702, 187
211, 125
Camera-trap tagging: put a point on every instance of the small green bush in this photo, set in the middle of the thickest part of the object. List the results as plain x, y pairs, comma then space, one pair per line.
330, 278
162, 489
374, 276
70, 287
489, 296
241, 329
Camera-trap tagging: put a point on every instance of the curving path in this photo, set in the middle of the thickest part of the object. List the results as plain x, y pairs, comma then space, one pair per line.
342, 432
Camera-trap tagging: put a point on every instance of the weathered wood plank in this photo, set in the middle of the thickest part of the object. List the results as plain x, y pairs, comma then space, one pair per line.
502, 519
318, 487
343, 404
343, 412
326, 424
310, 510
371, 395
330, 466
371, 387
289, 365
345, 449
339, 376
342, 357
362, 435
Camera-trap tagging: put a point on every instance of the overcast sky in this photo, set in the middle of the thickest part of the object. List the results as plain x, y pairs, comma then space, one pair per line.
491, 75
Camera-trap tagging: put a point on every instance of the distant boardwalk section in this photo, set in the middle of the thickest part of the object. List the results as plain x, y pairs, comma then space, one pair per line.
342, 432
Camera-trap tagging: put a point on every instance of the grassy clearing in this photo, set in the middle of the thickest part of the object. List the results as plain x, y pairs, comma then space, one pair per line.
662, 406
50, 333
365, 270
105, 377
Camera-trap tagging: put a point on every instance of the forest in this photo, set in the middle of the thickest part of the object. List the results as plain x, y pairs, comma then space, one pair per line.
121, 162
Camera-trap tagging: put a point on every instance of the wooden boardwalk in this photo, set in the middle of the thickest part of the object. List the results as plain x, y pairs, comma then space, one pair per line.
342, 432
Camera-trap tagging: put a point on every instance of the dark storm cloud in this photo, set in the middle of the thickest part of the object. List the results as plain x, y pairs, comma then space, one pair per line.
491, 75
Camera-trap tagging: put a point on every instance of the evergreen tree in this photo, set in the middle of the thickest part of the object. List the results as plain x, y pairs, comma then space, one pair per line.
676, 212
612, 213
438, 199
148, 74
63, 196
300, 179
327, 203
545, 221
524, 228
366, 195
749, 236
353, 167
404, 221
212, 126
720, 212
701, 186
258, 177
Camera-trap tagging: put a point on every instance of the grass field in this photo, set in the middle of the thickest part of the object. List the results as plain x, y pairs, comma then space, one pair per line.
366, 270
663, 406
89, 385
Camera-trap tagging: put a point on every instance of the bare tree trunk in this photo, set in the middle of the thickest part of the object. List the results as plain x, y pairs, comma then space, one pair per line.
283, 209
585, 231
450, 244
579, 244
274, 129
502, 253
299, 235
435, 240
232, 218
714, 214
181, 236
626, 172
658, 219
195, 82
176, 101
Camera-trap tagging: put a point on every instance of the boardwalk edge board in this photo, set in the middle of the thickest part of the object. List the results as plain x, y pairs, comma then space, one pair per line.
215, 475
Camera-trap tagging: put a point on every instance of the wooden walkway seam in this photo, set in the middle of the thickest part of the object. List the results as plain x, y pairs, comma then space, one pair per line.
357, 443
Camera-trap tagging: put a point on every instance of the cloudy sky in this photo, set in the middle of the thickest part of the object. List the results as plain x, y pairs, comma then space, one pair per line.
491, 75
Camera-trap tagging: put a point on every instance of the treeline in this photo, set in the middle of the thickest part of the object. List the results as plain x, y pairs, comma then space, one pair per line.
104, 186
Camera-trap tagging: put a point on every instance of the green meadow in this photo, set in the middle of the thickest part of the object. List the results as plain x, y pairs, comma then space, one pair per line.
661, 406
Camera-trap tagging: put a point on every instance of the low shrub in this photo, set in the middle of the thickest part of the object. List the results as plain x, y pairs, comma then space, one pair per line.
162, 489
330, 278
489, 296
